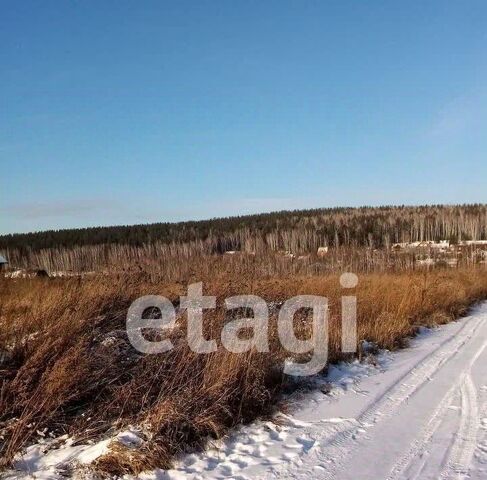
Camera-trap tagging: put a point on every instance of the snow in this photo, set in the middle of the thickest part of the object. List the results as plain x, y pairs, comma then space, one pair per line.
419, 413
51, 459
48, 460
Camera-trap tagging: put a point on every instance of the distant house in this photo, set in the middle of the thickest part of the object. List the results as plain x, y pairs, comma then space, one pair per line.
479, 244
3, 263
322, 251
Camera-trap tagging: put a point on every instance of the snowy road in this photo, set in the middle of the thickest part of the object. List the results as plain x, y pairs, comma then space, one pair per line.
426, 419
421, 415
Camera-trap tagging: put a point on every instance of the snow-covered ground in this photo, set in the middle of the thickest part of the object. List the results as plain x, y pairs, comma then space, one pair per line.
420, 413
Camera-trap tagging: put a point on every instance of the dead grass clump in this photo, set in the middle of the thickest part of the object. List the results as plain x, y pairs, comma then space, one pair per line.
123, 460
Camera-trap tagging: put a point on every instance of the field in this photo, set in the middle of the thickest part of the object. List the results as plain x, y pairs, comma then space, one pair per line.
68, 368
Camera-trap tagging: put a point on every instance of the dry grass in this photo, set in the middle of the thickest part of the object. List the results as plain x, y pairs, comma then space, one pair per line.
67, 366
175, 262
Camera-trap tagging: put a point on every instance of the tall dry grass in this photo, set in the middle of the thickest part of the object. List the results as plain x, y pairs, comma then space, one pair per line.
67, 366
174, 262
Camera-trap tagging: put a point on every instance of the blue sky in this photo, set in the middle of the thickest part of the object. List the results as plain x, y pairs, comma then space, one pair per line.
120, 112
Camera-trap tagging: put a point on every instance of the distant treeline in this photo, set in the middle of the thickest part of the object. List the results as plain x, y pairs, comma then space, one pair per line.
301, 230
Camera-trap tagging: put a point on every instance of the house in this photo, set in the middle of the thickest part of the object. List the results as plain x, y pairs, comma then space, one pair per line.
467, 246
478, 244
27, 273
322, 251
442, 244
474, 242
3, 263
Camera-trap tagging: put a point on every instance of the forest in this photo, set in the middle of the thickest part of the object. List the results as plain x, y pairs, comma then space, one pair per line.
363, 226
358, 237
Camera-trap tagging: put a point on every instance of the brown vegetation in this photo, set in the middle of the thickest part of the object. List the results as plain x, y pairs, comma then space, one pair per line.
67, 365
172, 263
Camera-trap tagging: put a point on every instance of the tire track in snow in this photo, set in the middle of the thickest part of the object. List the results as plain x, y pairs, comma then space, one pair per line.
423, 441
338, 443
481, 450
465, 443
463, 449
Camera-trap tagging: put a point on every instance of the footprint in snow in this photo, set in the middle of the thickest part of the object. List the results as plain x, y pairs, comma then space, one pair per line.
307, 443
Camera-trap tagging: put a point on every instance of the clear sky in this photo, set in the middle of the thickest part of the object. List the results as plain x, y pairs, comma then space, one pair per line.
120, 112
